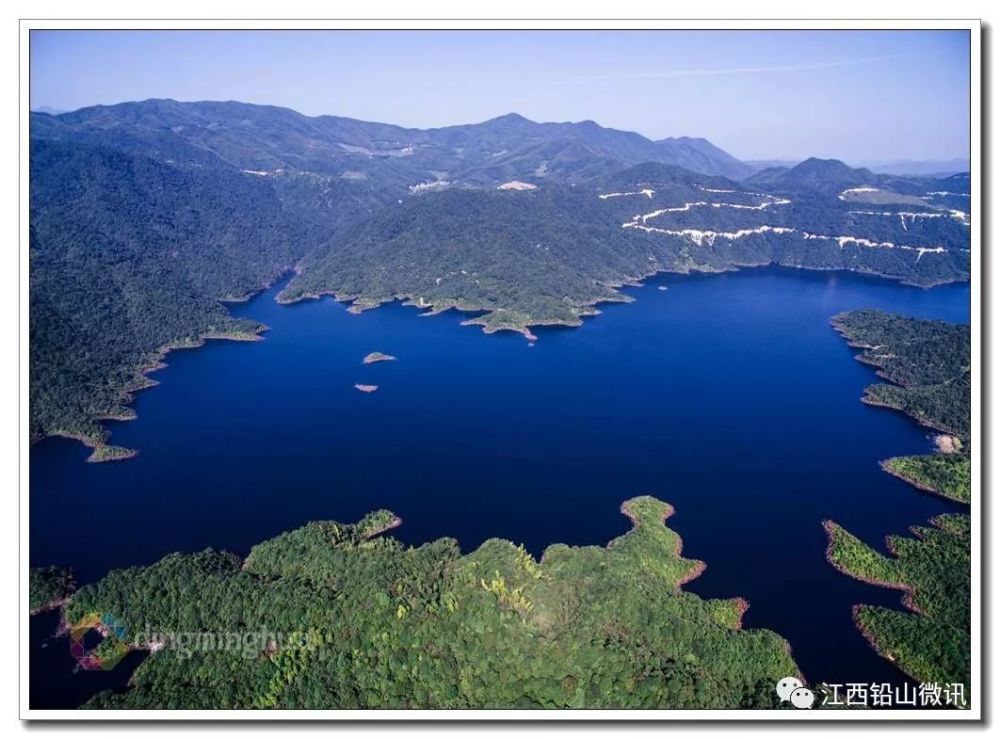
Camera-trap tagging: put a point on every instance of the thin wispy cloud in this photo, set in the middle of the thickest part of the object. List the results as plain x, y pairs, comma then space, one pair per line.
675, 73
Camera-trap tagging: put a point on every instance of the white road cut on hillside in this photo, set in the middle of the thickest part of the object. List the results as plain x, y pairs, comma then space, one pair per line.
707, 238
770, 202
702, 237
911, 217
648, 193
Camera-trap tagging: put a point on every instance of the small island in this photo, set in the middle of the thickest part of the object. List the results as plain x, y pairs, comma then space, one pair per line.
365, 388
374, 357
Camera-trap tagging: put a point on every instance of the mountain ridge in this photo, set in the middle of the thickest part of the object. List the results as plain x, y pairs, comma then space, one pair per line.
627, 146
144, 215
679, 150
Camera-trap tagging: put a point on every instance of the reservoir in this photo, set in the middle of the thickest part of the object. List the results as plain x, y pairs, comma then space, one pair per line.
728, 396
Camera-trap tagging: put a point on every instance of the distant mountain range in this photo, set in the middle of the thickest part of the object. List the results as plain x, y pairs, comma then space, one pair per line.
266, 138
905, 167
919, 167
696, 154
144, 215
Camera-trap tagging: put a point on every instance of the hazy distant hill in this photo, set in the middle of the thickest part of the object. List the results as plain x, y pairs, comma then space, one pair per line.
701, 155
920, 167
144, 215
265, 138
826, 175
47, 109
903, 167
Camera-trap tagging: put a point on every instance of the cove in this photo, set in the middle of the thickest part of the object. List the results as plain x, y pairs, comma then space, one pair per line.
729, 396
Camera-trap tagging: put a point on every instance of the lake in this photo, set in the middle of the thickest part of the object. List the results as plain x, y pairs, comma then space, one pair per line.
728, 396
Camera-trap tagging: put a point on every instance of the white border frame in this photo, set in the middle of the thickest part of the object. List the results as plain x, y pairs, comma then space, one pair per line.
976, 687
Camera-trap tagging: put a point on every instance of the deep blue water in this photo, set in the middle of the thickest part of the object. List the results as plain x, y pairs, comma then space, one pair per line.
727, 395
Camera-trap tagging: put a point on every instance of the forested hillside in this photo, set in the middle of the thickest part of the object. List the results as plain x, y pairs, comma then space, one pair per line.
542, 256
145, 215
129, 255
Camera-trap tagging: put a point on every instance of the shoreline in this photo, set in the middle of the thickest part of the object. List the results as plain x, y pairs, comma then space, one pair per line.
872, 641
357, 304
742, 606
923, 423
142, 381
905, 588
698, 566
57, 604
395, 523
946, 441
884, 465
101, 450
868, 399
874, 644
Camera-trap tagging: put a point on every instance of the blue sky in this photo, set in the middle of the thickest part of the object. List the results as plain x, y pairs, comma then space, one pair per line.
854, 95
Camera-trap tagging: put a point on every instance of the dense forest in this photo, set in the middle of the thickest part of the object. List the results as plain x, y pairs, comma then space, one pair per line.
340, 616
949, 475
928, 363
932, 642
144, 216
546, 256
48, 587
129, 256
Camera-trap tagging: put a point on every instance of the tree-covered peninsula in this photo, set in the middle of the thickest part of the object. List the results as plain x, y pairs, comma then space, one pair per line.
340, 616
927, 368
931, 642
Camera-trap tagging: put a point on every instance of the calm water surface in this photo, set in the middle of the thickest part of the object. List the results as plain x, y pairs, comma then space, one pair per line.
728, 395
